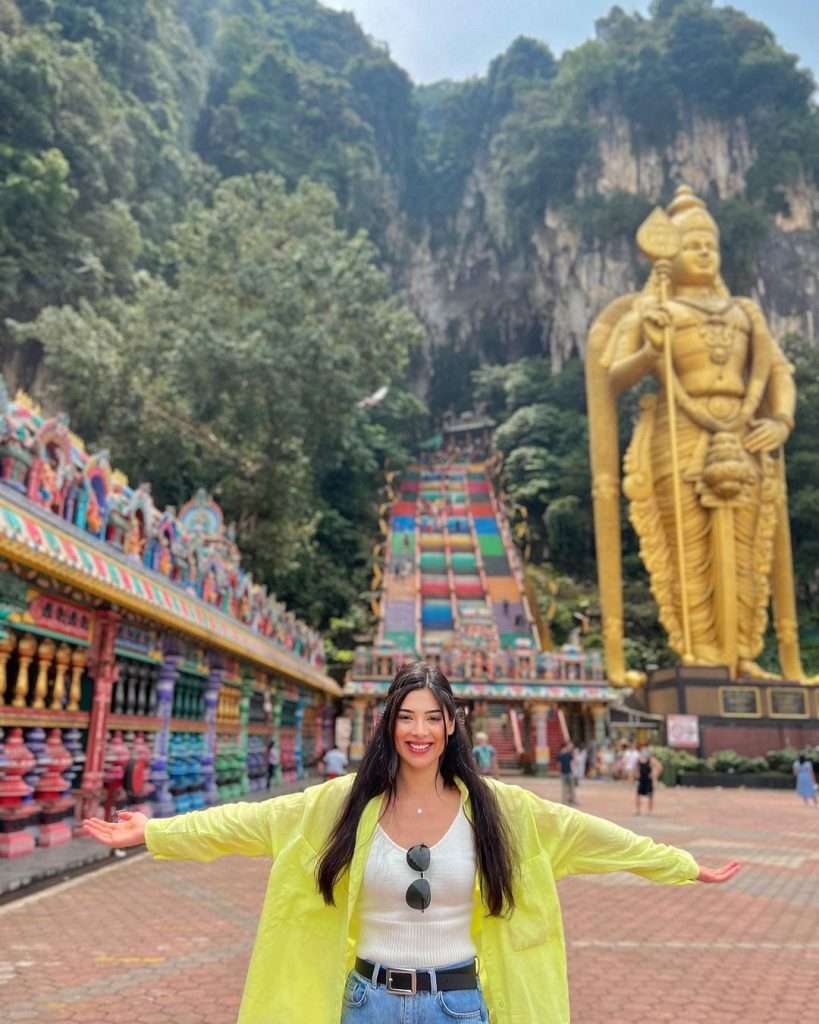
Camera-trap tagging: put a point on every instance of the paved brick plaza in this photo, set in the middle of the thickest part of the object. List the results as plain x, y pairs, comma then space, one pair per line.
144, 942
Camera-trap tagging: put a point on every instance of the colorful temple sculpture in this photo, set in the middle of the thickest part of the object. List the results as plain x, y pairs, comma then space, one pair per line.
452, 591
140, 664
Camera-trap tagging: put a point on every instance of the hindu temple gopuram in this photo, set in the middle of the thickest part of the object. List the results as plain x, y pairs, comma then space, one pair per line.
140, 664
453, 591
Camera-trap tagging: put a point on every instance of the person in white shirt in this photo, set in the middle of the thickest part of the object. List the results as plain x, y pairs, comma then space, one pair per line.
630, 758
335, 763
579, 760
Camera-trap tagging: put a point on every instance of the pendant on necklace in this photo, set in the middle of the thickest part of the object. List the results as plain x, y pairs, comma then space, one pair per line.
420, 810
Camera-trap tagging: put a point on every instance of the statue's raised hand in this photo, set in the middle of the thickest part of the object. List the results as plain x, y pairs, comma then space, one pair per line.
128, 831
656, 318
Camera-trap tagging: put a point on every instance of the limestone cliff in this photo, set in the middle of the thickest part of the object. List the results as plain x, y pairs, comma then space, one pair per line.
483, 289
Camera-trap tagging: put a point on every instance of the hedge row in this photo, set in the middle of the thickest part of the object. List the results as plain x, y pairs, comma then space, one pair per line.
729, 761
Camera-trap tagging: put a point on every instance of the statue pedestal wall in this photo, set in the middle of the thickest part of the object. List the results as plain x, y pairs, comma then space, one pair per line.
751, 716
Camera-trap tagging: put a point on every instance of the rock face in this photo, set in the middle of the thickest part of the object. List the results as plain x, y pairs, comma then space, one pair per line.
485, 292
710, 156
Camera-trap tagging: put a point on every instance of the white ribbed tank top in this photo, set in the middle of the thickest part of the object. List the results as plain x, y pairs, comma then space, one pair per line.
395, 935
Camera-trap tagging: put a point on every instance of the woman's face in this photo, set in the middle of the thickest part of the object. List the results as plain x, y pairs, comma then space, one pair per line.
421, 729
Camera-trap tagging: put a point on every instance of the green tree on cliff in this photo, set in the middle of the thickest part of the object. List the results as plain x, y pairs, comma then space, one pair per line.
241, 371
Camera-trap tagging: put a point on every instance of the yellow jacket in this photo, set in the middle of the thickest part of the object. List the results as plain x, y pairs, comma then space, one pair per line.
304, 948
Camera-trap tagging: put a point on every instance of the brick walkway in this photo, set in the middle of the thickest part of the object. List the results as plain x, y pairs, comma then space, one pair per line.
142, 942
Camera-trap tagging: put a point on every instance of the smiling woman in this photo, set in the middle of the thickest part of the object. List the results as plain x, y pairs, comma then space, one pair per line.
415, 888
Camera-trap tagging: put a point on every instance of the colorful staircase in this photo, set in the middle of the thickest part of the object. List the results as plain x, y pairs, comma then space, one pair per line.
452, 578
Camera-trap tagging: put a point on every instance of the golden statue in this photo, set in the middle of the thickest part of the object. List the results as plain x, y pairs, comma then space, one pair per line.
704, 472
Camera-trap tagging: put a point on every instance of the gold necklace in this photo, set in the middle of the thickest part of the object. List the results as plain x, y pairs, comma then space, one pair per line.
711, 308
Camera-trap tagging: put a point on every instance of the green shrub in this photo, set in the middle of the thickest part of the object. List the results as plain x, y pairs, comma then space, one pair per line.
685, 762
728, 761
782, 760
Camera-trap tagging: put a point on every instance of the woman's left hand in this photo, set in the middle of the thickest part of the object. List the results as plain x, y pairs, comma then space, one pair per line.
723, 874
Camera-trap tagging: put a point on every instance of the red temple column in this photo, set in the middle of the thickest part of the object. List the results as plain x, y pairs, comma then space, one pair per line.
17, 760
102, 668
53, 793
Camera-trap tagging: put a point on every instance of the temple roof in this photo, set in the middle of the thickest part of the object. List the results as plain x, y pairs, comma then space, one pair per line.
41, 540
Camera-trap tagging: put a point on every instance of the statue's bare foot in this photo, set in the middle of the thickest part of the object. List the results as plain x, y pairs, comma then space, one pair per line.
750, 670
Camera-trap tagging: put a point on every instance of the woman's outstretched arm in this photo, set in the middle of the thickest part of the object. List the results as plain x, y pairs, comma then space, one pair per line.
583, 844
252, 829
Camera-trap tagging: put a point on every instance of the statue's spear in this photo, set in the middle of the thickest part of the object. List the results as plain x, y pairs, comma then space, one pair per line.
659, 239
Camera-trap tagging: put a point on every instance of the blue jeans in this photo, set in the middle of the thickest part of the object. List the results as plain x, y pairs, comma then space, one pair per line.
364, 1003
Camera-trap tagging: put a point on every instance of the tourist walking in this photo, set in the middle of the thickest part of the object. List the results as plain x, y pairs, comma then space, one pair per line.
484, 754
416, 837
272, 764
647, 772
579, 762
605, 761
335, 763
629, 760
566, 761
805, 779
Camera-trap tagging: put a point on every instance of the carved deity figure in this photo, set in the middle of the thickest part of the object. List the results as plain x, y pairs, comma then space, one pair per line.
165, 561
134, 541
704, 471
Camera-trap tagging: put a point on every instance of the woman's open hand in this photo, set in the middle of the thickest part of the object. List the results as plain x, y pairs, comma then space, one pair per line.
128, 831
723, 874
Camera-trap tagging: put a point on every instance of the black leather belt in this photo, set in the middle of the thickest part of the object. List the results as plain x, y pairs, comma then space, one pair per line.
403, 982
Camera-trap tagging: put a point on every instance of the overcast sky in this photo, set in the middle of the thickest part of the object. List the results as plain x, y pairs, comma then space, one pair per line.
434, 39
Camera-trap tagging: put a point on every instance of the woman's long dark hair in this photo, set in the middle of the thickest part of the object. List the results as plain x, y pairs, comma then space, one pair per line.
377, 775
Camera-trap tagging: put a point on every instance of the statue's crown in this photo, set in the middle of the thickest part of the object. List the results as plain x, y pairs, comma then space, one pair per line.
689, 212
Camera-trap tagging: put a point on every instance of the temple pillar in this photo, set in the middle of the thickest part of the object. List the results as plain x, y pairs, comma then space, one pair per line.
320, 728
276, 721
35, 740
26, 648
79, 657
15, 838
599, 715
72, 738
540, 714
102, 669
53, 793
138, 776
212, 688
244, 718
63, 658
299, 737
168, 673
46, 650
358, 739
8, 641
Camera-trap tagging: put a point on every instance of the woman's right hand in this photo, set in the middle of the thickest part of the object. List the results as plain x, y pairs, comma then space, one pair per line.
718, 875
128, 831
